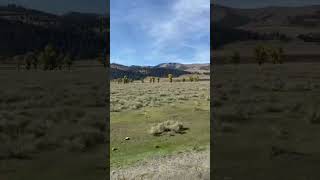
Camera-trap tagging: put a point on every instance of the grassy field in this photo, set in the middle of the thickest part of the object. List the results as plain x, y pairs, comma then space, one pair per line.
52, 124
136, 107
267, 121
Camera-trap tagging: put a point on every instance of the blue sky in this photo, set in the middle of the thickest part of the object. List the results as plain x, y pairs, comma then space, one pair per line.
149, 32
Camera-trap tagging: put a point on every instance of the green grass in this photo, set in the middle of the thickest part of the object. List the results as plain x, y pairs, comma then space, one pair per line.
52, 124
193, 112
244, 151
57, 165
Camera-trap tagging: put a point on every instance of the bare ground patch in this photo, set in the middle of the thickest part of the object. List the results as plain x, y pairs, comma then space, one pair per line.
188, 165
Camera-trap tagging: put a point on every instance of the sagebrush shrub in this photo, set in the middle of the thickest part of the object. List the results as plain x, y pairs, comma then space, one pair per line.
167, 126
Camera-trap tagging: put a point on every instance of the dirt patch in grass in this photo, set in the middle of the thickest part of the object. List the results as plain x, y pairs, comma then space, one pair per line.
185, 165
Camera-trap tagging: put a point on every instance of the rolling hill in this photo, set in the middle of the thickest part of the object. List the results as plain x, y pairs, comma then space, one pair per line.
305, 16
268, 19
296, 29
186, 67
23, 30
161, 70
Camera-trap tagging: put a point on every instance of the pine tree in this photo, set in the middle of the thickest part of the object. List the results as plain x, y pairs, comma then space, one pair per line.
68, 61
28, 59
260, 54
274, 55
60, 60
52, 55
35, 62
170, 77
44, 60
48, 58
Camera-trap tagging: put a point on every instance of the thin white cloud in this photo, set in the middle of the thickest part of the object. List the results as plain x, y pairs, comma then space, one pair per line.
201, 53
171, 29
186, 20
128, 51
201, 56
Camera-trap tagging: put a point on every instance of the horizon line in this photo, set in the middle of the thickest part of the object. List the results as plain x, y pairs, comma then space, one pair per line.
159, 63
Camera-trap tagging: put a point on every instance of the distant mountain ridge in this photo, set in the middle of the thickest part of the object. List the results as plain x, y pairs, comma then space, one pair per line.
269, 23
186, 67
23, 30
276, 15
161, 70
172, 66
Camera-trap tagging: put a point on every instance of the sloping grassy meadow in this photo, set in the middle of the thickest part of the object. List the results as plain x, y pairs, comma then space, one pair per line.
136, 107
267, 121
52, 124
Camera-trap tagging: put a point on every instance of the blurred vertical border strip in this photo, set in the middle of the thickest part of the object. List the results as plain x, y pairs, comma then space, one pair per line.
212, 120
107, 58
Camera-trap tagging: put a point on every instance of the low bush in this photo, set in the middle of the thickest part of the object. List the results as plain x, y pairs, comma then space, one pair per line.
167, 126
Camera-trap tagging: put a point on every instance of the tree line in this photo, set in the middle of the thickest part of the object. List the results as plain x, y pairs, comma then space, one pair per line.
126, 80
225, 35
76, 33
47, 59
262, 54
